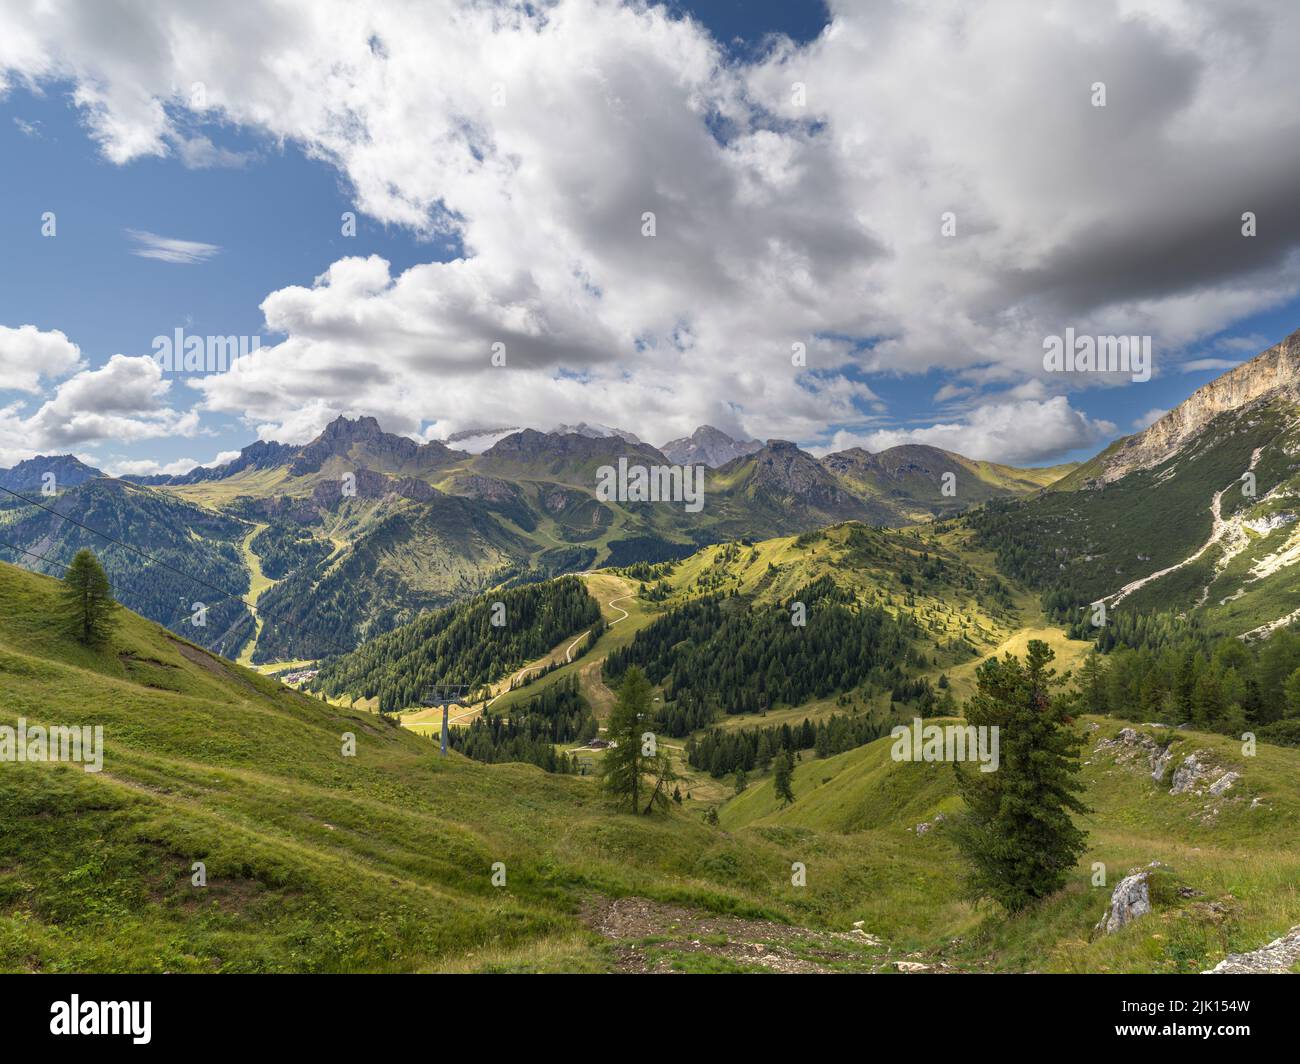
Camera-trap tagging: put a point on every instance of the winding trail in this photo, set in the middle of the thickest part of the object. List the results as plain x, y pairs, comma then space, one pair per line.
1217, 530
568, 653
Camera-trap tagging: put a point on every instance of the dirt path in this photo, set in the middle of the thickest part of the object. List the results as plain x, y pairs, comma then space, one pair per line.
1218, 527
654, 937
568, 656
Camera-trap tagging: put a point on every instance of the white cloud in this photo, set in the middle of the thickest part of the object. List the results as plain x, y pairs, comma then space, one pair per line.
1024, 433
122, 401
29, 355
1200, 365
123, 467
168, 249
539, 135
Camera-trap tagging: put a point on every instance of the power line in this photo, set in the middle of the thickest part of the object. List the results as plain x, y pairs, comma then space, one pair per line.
158, 561
38, 557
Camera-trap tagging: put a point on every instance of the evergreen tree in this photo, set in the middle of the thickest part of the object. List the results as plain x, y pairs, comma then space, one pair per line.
1017, 836
742, 781
624, 763
782, 775
88, 604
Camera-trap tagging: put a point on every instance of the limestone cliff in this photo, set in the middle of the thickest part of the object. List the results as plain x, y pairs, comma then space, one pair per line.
1275, 372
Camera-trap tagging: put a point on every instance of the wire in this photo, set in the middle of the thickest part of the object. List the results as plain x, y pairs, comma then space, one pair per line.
38, 557
158, 561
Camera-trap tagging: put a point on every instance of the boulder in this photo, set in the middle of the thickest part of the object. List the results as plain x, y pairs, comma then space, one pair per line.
1191, 772
1130, 900
1277, 958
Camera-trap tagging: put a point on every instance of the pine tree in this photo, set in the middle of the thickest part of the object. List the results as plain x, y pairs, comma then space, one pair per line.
1017, 836
88, 604
782, 774
1091, 682
624, 763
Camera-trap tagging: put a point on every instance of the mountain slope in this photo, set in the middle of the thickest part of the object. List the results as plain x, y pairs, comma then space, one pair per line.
1196, 514
708, 446
910, 479
359, 530
384, 861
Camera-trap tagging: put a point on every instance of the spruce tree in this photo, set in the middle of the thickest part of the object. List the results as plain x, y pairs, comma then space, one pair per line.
1017, 836
88, 606
782, 774
624, 763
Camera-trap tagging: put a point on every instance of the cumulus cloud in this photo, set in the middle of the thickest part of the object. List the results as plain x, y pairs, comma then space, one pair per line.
1025, 432
29, 355
543, 137
122, 401
1148, 419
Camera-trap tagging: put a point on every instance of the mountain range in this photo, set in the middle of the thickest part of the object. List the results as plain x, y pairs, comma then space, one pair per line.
360, 530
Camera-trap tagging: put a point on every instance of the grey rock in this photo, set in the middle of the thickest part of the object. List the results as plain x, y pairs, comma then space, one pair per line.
1131, 899
1224, 782
1277, 958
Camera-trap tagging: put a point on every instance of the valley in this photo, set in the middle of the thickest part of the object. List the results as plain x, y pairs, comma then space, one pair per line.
812, 606
383, 861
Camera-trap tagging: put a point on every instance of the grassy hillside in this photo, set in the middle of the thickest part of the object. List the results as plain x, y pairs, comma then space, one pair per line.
382, 861
1232, 881
1183, 535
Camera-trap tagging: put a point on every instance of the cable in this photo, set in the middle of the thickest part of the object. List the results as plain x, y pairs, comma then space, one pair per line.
158, 561
38, 557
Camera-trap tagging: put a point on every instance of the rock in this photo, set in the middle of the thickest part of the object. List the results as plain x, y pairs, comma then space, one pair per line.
1277, 958
1130, 899
1161, 761
911, 966
925, 826
1131, 745
1191, 772
1224, 782
1266, 374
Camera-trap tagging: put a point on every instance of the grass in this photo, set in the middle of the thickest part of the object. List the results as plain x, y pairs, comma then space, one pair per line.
383, 861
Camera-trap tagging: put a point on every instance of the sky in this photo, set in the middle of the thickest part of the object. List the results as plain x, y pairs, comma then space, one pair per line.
847, 224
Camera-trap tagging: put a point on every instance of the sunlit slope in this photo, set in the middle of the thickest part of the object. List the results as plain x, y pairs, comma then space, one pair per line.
314, 861
1233, 876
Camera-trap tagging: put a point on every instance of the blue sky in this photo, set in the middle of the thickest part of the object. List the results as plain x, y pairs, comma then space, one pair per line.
271, 208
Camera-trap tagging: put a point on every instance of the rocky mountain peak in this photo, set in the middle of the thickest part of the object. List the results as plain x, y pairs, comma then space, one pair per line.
68, 470
708, 446
384, 450
1274, 371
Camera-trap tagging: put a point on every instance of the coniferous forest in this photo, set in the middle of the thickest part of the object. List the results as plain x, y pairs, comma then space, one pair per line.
718, 653
461, 644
